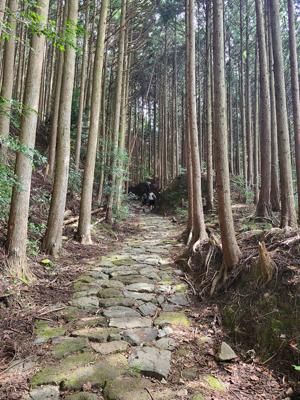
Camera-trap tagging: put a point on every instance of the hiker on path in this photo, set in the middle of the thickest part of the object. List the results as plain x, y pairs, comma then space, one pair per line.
152, 200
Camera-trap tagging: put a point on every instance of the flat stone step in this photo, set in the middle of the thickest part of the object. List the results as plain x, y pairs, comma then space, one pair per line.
139, 295
120, 312
151, 361
130, 322
138, 336
116, 301
97, 334
141, 287
119, 346
148, 309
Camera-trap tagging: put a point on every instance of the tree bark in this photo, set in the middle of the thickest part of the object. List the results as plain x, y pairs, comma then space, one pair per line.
263, 208
84, 228
256, 130
53, 237
249, 133
55, 106
82, 88
208, 90
198, 230
2, 11
275, 193
109, 210
242, 95
8, 75
295, 91
123, 125
288, 212
231, 252
19, 210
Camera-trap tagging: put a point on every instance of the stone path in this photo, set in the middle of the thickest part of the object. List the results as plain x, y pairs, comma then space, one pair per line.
131, 332
121, 319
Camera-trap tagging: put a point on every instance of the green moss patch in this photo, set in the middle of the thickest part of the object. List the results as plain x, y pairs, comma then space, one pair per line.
109, 293
72, 313
127, 388
80, 286
123, 262
56, 374
45, 332
197, 396
181, 288
86, 279
97, 375
172, 318
82, 396
92, 322
68, 346
99, 334
214, 383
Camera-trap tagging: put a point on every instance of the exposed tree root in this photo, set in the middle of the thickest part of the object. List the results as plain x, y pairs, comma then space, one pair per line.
265, 263
219, 279
190, 237
17, 267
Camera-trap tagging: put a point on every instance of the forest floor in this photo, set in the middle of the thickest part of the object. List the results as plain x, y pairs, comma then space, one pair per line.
128, 326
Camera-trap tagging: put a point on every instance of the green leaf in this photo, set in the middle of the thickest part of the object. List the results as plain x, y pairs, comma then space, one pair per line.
297, 367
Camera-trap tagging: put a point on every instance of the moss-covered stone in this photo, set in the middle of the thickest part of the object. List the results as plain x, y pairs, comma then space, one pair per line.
84, 293
68, 346
214, 383
129, 279
115, 260
82, 396
91, 322
86, 279
99, 334
72, 313
172, 318
181, 288
116, 301
167, 280
123, 262
43, 393
90, 303
111, 284
81, 286
45, 332
109, 293
56, 374
106, 261
116, 346
127, 388
98, 375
